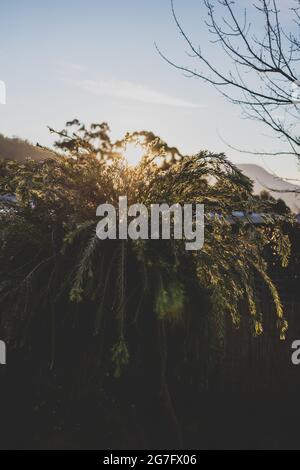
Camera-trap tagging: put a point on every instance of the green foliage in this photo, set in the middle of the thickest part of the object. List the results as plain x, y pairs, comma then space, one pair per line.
120, 357
53, 266
170, 302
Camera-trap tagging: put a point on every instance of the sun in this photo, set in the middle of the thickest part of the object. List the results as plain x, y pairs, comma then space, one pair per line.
134, 153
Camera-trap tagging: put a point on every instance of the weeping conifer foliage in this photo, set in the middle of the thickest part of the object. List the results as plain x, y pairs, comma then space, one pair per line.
89, 313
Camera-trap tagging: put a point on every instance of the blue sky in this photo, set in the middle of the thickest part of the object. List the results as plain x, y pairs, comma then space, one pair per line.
95, 60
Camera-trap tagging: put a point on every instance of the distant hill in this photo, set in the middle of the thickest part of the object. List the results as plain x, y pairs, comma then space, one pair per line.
18, 149
264, 181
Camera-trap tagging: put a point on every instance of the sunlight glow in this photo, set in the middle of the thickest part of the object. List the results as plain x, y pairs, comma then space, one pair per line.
134, 153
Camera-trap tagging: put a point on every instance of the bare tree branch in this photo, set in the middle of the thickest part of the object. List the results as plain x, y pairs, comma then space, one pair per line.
263, 76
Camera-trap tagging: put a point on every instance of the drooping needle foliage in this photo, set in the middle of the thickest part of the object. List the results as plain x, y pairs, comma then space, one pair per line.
57, 277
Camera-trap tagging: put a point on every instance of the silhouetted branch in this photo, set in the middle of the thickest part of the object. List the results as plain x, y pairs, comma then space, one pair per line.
263, 78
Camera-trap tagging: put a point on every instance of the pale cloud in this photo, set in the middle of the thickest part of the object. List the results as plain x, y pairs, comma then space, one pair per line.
133, 91
69, 67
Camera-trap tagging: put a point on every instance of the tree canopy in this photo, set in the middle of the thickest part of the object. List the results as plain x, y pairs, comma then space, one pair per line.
84, 313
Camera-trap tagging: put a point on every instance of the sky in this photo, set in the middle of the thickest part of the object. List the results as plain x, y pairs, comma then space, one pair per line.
95, 60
